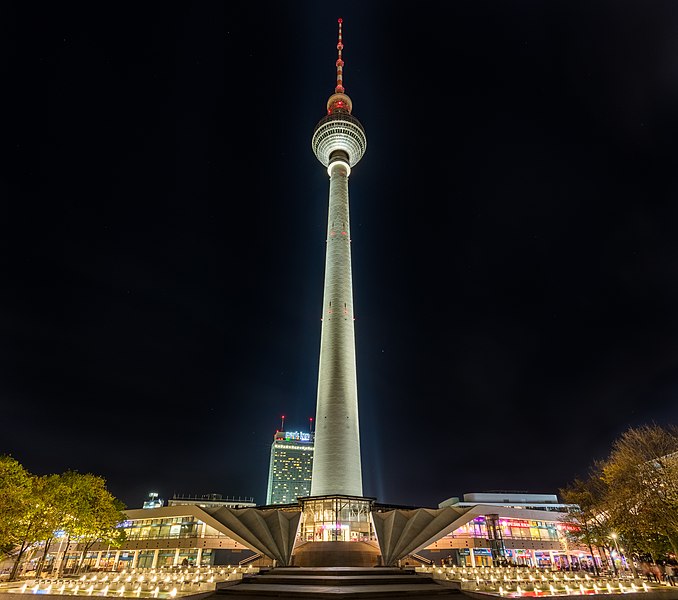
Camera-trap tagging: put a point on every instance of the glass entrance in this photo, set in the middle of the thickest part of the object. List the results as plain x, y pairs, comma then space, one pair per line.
336, 519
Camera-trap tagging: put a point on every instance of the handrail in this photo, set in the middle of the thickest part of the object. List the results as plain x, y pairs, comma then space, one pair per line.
504, 537
419, 557
250, 559
176, 537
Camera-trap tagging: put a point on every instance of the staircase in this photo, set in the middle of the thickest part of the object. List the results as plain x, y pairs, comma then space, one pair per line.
334, 582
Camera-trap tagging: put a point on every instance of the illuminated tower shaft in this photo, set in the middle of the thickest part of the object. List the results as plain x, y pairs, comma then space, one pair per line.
337, 467
339, 142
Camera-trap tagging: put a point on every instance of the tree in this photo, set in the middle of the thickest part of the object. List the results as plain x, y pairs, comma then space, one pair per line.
97, 515
35, 508
642, 476
633, 493
61, 494
34, 521
15, 492
590, 524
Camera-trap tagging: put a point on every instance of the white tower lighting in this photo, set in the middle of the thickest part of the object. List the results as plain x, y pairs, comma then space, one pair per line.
338, 142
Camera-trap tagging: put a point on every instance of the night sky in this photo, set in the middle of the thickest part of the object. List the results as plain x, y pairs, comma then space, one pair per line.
514, 221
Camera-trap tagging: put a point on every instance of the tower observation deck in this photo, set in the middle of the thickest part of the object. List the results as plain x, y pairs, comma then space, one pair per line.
338, 142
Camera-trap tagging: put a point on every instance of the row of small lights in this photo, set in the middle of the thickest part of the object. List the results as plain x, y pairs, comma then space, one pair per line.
79, 586
504, 572
585, 585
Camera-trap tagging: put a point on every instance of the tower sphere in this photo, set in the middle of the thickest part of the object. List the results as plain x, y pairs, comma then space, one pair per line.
339, 135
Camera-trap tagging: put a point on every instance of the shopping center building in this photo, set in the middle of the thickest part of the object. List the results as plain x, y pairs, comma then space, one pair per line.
525, 529
163, 537
515, 528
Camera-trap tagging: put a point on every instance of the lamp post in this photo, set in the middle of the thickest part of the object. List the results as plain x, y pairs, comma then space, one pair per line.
614, 536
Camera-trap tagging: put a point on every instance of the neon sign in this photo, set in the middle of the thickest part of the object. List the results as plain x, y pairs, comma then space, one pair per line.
299, 436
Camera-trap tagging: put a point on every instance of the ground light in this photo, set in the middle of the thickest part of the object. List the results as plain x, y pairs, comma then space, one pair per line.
137, 583
522, 582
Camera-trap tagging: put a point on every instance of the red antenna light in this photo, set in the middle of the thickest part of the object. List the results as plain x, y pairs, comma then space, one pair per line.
282, 427
310, 427
340, 63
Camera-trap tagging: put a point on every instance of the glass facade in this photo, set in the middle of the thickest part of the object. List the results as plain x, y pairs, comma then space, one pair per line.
145, 559
510, 529
336, 519
168, 527
492, 539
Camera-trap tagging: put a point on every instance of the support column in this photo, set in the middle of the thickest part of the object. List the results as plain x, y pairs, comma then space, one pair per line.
155, 558
472, 556
135, 559
175, 562
198, 558
98, 560
116, 559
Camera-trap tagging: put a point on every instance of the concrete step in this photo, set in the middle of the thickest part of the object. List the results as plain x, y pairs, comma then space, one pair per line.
345, 591
338, 571
335, 580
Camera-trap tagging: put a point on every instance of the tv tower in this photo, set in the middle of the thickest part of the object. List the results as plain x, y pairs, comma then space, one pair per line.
338, 142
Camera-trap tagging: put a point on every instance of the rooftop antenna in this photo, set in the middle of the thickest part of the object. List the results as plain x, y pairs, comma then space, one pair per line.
310, 426
340, 63
282, 424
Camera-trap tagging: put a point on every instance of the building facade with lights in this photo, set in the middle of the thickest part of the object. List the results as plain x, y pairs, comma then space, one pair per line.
156, 538
211, 501
290, 468
486, 534
515, 528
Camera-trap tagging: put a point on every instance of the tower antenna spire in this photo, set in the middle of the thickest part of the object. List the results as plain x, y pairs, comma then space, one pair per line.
340, 63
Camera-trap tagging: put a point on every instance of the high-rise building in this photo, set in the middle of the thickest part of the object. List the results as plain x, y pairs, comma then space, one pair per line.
289, 474
153, 501
338, 142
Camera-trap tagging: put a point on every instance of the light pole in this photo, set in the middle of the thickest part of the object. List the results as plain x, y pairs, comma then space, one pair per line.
614, 536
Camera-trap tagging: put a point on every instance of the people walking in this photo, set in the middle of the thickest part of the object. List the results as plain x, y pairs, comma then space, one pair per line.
657, 572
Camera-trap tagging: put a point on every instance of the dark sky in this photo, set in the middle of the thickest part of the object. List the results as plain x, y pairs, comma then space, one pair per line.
163, 221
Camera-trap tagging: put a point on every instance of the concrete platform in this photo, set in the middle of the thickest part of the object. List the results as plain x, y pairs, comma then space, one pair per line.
427, 590
337, 582
336, 554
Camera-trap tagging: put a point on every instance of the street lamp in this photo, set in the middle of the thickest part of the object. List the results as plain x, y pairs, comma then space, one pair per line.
614, 536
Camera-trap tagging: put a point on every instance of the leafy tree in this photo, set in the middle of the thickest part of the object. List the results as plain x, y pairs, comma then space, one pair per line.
34, 508
642, 477
61, 494
632, 494
97, 514
590, 524
15, 492
34, 519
